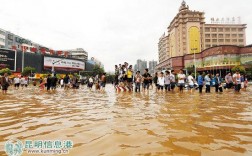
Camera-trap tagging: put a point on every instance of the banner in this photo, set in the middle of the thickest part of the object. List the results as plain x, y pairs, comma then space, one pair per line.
8, 59
63, 63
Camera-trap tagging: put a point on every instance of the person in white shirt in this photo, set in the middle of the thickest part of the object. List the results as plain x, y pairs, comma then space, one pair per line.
190, 80
181, 80
16, 82
161, 81
207, 82
22, 82
167, 81
237, 81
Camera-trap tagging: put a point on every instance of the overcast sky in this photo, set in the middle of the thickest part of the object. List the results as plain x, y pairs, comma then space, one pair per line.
114, 31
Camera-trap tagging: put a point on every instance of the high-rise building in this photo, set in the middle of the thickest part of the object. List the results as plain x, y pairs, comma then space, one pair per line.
141, 65
152, 65
2, 38
188, 34
78, 53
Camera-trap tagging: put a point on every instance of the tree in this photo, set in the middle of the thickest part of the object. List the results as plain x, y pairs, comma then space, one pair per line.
98, 70
239, 68
28, 70
5, 70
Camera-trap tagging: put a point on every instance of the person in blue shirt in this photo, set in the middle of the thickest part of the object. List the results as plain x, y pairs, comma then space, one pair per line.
217, 82
200, 82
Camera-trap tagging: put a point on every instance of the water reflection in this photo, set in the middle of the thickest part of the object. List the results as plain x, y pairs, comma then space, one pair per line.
122, 123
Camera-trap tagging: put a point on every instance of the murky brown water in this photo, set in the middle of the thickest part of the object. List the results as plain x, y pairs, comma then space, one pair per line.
131, 124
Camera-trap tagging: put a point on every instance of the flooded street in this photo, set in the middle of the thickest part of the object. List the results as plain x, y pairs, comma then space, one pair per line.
125, 123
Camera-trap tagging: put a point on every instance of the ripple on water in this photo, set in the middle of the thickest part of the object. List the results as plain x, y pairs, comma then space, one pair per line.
122, 123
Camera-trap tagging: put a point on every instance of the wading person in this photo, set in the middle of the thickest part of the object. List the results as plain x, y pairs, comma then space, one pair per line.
237, 81
103, 81
54, 82
207, 82
137, 79
5, 83
190, 80
173, 80
161, 81
66, 81
167, 80
155, 81
16, 82
90, 82
181, 80
146, 78
229, 81
217, 81
117, 72
200, 82
48, 86
130, 77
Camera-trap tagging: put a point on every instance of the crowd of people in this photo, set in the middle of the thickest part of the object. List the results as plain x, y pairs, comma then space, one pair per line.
126, 80
169, 80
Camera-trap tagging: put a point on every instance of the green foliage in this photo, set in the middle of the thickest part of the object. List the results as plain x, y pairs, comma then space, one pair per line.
110, 78
97, 70
239, 68
5, 70
28, 70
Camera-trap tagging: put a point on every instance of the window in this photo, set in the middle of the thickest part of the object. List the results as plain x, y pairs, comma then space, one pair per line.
227, 35
220, 30
227, 40
208, 40
240, 40
214, 40
207, 29
227, 29
221, 35
221, 40
207, 35
1, 39
233, 29
214, 29
214, 45
214, 35
240, 35
10, 43
234, 35
240, 29
234, 40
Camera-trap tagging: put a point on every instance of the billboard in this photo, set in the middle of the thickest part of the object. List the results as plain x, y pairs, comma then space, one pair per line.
65, 63
8, 59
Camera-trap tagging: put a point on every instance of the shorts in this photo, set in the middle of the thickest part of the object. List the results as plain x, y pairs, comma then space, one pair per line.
172, 85
191, 86
17, 84
5, 87
167, 86
181, 85
160, 87
129, 79
146, 85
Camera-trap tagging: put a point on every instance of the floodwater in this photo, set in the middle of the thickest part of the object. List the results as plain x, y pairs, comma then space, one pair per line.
125, 123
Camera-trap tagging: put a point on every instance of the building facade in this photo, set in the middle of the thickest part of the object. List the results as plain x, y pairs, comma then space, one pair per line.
2, 38
188, 34
78, 53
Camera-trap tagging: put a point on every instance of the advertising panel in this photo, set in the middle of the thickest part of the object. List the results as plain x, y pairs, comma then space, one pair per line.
8, 59
63, 63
